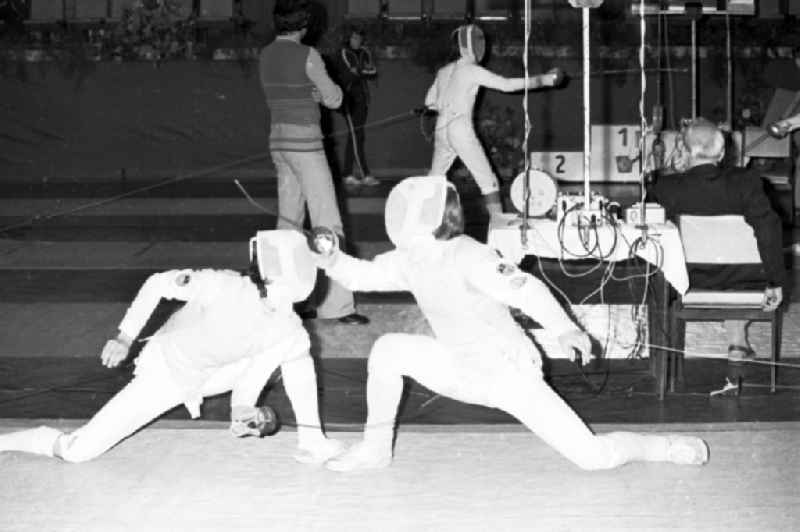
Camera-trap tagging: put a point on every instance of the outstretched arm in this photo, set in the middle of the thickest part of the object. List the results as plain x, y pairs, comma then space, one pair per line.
380, 274
494, 81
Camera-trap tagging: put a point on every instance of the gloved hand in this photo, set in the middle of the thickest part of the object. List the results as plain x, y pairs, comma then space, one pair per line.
576, 344
115, 351
556, 77
324, 245
779, 129
773, 296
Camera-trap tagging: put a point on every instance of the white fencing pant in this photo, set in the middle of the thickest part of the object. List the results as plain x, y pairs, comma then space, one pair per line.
149, 395
455, 137
517, 388
304, 180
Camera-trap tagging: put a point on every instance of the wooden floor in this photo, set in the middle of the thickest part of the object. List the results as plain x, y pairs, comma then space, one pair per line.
204, 480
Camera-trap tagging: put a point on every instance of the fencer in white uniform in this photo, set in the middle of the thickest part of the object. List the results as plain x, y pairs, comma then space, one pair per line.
231, 334
453, 95
478, 354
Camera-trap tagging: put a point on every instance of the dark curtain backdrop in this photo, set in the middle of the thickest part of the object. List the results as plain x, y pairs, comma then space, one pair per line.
190, 115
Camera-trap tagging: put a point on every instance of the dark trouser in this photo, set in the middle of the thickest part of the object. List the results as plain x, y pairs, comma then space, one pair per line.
357, 106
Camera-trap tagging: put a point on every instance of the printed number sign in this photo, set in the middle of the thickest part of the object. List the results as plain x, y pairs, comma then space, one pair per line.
615, 149
560, 165
614, 152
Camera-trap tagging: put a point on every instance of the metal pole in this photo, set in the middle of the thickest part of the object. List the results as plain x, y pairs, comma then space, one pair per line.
587, 117
694, 68
642, 119
659, 62
729, 58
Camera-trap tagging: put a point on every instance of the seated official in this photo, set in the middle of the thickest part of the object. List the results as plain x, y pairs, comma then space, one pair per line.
704, 187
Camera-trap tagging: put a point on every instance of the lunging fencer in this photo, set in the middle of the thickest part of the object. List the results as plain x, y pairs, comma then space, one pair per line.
233, 331
478, 353
453, 95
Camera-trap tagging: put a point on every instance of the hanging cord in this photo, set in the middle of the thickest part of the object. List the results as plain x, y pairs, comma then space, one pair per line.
642, 120
526, 188
659, 63
587, 114
729, 69
670, 87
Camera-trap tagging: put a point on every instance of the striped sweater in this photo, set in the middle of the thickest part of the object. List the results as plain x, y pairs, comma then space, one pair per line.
289, 73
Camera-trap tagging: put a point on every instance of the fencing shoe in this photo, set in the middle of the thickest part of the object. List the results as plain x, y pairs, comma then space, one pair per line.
352, 181
362, 456
319, 452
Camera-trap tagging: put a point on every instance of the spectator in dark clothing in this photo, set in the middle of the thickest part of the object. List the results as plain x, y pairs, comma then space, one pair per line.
703, 188
355, 67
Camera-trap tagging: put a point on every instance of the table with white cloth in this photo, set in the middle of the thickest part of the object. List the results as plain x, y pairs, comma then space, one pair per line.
646, 264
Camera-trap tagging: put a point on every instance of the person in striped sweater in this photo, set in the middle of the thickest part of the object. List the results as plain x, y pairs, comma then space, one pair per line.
295, 82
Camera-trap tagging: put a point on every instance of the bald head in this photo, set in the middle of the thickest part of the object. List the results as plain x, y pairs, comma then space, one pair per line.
703, 141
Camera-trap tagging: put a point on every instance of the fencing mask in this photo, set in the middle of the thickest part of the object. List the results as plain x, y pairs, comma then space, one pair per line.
415, 208
284, 262
471, 42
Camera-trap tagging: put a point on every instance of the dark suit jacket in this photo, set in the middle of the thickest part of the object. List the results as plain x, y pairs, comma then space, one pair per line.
709, 190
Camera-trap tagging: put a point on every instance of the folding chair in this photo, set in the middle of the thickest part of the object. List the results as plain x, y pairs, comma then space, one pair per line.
719, 240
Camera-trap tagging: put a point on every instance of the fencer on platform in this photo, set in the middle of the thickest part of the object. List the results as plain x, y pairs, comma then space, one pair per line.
230, 335
478, 353
453, 94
